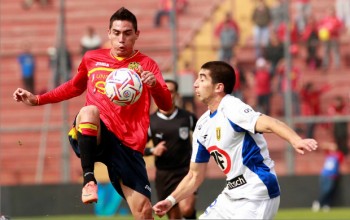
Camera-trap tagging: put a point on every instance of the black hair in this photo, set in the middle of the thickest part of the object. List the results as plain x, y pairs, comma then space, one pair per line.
176, 85
221, 72
124, 15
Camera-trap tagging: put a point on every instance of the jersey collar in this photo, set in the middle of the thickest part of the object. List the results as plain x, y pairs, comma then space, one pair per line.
162, 116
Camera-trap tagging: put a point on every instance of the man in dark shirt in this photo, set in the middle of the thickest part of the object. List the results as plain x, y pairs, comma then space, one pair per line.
170, 132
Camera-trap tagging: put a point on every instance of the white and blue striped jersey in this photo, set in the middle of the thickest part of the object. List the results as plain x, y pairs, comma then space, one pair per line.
228, 135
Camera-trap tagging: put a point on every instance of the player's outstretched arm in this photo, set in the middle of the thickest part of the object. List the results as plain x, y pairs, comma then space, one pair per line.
186, 187
22, 95
268, 124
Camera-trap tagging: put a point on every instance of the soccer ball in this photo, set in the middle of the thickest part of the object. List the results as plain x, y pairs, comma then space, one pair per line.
123, 86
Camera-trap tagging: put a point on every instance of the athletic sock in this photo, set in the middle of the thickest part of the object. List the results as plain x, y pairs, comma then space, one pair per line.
87, 141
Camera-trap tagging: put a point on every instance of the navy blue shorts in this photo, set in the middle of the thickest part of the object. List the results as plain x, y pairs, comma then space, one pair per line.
123, 163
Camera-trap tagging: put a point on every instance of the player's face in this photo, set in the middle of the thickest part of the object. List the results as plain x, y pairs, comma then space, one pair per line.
204, 88
122, 36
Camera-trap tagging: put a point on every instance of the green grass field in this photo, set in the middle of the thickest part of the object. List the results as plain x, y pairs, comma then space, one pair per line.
307, 214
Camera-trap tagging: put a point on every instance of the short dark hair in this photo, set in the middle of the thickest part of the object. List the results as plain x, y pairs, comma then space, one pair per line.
123, 14
221, 72
176, 85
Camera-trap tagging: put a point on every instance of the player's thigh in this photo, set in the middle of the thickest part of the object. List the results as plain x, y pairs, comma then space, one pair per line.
139, 204
258, 209
225, 208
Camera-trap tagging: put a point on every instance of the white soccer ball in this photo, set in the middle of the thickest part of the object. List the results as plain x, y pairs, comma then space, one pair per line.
123, 86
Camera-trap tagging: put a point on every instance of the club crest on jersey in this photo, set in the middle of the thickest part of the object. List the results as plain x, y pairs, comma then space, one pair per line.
183, 132
135, 66
218, 133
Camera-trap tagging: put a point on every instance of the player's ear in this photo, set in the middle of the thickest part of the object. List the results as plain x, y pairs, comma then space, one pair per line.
137, 34
219, 87
109, 33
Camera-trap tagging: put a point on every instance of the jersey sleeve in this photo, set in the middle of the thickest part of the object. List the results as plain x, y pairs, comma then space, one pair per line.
159, 92
69, 89
241, 114
199, 153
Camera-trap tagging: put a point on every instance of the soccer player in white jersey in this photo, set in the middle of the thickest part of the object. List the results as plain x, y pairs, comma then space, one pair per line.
232, 132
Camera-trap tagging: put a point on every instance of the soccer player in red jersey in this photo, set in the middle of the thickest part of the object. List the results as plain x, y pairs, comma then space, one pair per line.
103, 131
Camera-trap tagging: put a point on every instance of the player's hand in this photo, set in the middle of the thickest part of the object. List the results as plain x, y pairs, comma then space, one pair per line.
159, 149
305, 144
148, 78
162, 207
22, 95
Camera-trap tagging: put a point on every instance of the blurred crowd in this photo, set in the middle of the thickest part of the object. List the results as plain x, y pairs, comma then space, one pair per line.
313, 45
290, 36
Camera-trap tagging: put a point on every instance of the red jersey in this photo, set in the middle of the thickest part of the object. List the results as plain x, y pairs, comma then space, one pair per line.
333, 24
262, 82
128, 123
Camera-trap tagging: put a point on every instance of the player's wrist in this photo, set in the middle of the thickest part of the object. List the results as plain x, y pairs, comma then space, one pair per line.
172, 200
37, 100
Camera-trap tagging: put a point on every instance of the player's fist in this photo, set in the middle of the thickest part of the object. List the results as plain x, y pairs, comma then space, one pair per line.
22, 95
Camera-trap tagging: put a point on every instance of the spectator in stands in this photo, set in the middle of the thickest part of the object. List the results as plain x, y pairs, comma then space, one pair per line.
303, 11
171, 135
27, 4
261, 19
342, 8
329, 178
279, 12
330, 30
340, 129
228, 33
310, 96
310, 37
26, 61
165, 7
263, 86
274, 52
241, 84
294, 34
90, 41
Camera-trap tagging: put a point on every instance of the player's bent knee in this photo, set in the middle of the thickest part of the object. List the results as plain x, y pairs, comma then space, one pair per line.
89, 111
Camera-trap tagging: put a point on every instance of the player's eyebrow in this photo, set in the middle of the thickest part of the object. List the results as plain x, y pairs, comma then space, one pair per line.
202, 75
122, 31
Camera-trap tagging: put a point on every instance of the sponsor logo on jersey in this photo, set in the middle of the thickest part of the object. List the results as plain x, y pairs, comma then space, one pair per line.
236, 182
221, 158
183, 132
102, 64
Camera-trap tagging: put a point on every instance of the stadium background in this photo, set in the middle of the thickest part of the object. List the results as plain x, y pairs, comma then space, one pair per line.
34, 155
